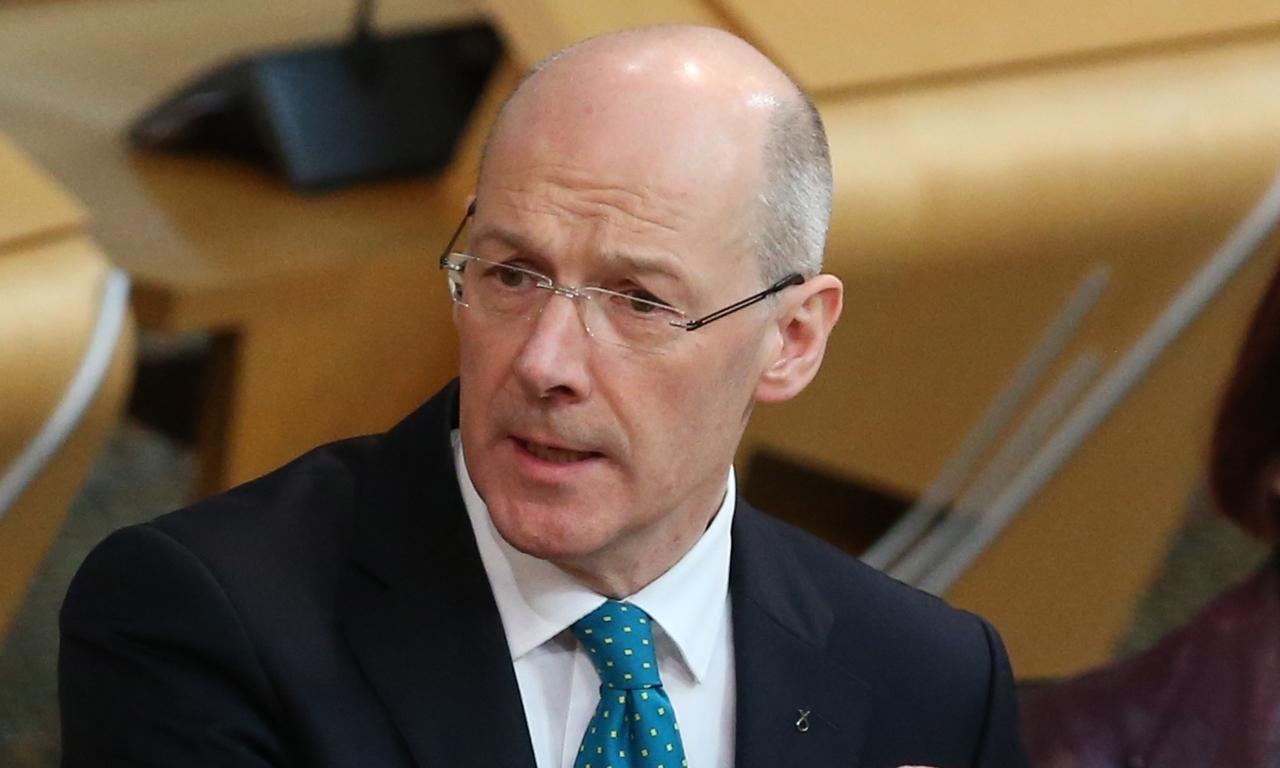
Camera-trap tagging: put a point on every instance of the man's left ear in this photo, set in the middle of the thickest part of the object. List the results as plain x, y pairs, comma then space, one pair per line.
807, 313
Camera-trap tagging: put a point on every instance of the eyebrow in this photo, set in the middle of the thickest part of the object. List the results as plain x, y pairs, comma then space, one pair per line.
648, 265
634, 263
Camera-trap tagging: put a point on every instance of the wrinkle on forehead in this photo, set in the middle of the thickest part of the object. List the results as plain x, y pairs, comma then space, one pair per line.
620, 224
563, 188
594, 231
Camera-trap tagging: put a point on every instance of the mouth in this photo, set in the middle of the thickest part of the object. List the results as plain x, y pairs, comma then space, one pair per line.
554, 454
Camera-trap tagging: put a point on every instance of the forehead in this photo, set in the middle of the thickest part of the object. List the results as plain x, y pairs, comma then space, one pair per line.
622, 166
634, 125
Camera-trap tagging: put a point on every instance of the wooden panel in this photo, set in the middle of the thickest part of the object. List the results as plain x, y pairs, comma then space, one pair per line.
535, 29
28, 531
67, 91
48, 305
332, 357
828, 44
222, 246
51, 279
316, 355
1062, 582
964, 216
31, 206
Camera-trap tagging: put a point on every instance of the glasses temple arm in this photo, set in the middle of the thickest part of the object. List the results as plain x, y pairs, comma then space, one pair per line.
444, 257
795, 278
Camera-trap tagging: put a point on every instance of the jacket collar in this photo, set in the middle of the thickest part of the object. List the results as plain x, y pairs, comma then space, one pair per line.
416, 607
781, 626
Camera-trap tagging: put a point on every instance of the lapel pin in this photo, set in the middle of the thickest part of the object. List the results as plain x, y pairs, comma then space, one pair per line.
802, 725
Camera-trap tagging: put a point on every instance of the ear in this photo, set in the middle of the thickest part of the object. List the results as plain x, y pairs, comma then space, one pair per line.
806, 315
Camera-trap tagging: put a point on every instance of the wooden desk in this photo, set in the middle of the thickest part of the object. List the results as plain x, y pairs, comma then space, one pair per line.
52, 280
331, 319
911, 40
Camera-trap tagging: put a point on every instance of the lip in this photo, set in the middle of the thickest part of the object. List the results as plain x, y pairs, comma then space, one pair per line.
538, 468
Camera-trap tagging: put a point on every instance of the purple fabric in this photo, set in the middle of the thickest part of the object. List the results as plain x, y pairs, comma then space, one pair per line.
1206, 696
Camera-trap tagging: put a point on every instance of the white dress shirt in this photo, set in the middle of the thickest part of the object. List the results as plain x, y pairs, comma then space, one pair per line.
689, 605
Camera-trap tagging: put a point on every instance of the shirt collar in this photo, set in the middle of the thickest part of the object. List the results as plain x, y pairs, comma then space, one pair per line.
537, 601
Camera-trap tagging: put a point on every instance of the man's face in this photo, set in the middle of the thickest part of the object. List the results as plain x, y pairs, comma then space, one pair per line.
583, 451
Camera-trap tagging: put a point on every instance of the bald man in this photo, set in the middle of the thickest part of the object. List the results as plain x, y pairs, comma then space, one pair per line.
548, 564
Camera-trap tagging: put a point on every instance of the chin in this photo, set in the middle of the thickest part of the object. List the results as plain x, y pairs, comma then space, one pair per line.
554, 533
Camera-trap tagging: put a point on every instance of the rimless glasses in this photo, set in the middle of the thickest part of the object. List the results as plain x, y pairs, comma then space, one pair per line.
629, 319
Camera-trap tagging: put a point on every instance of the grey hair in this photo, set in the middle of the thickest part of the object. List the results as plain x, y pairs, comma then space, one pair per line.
790, 231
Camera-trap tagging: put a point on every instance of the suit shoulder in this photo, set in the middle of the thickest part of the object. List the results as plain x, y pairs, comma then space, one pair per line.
868, 602
318, 487
938, 677
283, 532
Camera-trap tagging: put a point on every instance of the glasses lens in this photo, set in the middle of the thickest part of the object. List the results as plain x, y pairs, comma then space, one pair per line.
452, 265
628, 321
498, 288
610, 317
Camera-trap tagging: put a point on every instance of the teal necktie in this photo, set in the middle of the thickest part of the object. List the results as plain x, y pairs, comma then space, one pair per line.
634, 725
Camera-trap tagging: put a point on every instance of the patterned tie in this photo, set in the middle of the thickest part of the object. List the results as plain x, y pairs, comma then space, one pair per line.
634, 725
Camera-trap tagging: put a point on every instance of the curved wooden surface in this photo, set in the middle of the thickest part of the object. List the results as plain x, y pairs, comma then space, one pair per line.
832, 45
51, 279
964, 216
329, 313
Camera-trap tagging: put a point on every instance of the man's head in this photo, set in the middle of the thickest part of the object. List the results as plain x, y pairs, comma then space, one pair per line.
673, 164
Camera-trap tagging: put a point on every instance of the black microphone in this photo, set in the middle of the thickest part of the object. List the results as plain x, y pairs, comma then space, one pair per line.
368, 107
362, 46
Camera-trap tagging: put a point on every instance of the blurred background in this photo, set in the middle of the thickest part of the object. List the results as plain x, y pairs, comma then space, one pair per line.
1036, 220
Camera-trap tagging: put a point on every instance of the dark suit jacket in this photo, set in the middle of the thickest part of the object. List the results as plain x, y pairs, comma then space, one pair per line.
336, 613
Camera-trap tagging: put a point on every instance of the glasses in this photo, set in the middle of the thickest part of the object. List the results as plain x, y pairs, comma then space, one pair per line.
623, 319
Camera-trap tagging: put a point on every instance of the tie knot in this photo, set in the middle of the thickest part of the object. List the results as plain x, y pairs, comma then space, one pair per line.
619, 640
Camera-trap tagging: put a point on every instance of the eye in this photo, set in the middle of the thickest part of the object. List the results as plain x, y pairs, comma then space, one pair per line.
508, 277
644, 301
512, 278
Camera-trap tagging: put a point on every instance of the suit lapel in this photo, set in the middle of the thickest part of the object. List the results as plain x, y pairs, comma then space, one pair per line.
417, 610
780, 626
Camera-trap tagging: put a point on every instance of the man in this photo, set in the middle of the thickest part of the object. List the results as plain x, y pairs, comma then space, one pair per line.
547, 564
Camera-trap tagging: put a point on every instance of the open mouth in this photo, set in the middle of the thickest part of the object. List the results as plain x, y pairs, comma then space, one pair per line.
553, 454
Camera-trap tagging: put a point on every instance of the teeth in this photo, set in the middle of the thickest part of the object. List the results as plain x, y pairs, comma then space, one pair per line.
555, 455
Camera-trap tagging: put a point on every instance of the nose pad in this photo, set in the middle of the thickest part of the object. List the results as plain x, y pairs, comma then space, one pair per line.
576, 299
565, 291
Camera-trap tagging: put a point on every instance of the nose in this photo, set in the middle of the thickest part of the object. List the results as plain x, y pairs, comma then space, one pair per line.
552, 364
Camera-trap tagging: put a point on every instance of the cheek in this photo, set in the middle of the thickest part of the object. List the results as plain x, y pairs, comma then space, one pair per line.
484, 355
690, 415
484, 363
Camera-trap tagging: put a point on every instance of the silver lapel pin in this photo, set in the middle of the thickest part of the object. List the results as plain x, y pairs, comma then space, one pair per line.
802, 725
